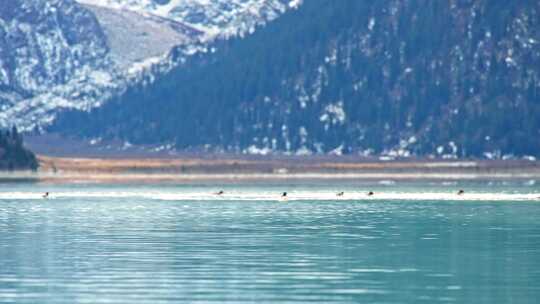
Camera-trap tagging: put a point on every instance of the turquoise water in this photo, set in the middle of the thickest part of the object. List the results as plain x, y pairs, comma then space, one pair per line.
408, 243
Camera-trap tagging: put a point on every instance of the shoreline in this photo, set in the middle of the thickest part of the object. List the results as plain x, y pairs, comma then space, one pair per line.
228, 178
181, 170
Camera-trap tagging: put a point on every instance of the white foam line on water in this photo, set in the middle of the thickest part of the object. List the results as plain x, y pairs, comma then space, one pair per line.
272, 196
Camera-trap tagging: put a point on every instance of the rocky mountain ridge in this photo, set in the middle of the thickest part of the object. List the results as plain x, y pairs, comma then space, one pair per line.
43, 49
64, 54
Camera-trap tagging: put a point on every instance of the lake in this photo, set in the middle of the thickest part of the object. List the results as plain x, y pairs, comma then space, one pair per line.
407, 243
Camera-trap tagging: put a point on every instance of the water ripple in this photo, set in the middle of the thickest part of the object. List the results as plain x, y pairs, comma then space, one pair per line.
109, 245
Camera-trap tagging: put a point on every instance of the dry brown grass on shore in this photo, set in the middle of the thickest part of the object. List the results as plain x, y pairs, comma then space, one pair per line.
156, 170
265, 166
51, 164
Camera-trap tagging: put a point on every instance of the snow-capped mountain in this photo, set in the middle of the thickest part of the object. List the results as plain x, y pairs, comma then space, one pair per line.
66, 54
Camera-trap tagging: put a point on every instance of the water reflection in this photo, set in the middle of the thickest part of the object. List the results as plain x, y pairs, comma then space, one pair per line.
118, 250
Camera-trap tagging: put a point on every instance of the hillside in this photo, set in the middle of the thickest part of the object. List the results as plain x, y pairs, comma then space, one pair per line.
395, 78
53, 54
67, 54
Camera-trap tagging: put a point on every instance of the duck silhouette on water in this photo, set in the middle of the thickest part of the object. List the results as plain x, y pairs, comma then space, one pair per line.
370, 193
220, 192
340, 193
460, 192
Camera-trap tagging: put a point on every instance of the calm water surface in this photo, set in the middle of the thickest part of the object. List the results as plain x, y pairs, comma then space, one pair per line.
410, 243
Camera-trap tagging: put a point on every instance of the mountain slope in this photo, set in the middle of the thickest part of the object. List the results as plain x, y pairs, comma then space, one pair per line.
42, 45
398, 78
60, 54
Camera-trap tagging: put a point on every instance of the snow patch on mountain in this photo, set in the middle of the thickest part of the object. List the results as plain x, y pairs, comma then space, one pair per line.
134, 38
215, 18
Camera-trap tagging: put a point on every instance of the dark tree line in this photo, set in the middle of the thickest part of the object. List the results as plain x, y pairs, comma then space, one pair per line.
13, 155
